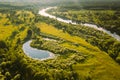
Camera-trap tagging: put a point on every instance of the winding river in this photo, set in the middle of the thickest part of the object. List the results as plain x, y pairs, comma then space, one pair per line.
43, 54
44, 13
36, 53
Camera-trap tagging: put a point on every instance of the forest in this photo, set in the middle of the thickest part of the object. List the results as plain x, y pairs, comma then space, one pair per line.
81, 52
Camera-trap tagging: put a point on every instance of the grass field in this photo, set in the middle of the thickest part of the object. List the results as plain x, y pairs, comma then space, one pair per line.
7, 30
98, 67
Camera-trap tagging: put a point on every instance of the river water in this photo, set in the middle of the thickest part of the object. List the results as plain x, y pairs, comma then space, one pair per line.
36, 53
44, 13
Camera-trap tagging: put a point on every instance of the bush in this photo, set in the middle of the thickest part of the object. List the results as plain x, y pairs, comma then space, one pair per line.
118, 59
3, 44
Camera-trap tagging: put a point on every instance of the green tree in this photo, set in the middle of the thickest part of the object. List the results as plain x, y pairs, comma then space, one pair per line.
3, 44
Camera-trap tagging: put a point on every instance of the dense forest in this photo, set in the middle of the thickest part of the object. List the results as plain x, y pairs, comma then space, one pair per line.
81, 53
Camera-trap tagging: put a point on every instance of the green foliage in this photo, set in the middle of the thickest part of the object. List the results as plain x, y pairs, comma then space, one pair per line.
74, 58
29, 35
42, 76
95, 37
16, 77
2, 77
108, 19
3, 44
8, 75
51, 46
88, 64
118, 59
14, 33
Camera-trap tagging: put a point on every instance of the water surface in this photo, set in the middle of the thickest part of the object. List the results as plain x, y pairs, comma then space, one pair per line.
36, 53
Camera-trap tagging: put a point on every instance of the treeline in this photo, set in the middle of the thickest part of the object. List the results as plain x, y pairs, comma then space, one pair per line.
6, 7
92, 5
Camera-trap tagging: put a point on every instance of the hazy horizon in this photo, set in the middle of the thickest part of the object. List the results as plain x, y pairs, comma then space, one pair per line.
50, 0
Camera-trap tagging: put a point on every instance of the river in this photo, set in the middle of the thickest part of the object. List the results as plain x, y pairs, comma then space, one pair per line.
36, 53
43, 54
44, 13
